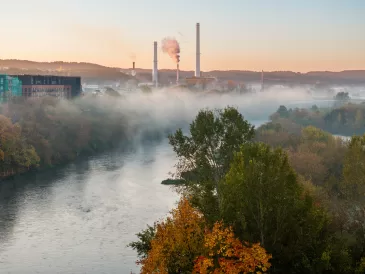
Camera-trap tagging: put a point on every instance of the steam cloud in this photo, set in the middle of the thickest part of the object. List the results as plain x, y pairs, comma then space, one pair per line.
163, 111
172, 48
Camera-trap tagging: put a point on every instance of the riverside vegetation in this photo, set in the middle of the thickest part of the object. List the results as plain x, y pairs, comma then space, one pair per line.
44, 132
285, 198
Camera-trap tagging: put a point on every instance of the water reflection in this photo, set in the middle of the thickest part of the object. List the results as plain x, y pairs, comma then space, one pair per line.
79, 219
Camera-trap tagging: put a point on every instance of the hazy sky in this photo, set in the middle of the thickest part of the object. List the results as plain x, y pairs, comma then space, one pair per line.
299, 35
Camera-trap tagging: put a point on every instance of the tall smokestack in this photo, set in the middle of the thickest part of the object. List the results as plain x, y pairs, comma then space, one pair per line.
262, 80
154, 71
134, 65
177, 74
197, 66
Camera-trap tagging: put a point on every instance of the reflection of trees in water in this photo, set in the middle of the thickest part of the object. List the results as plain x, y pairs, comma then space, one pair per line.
13, 191
42, 184
8, 212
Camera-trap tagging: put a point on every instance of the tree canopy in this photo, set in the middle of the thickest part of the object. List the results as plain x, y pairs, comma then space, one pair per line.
184, 244
264, 202
205, 156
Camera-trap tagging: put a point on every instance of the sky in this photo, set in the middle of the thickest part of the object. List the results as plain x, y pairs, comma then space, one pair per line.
269, 35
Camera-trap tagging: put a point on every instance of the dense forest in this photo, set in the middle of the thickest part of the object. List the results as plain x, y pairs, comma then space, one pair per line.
287, 197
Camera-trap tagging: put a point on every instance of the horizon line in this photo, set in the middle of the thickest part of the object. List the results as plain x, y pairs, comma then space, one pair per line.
221, 70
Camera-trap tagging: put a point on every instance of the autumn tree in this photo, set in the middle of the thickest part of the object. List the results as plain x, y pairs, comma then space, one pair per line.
184, 244
61, 130
278, 135
206, 154
15, 154
264, 203
226, 254
177, 242
316, 156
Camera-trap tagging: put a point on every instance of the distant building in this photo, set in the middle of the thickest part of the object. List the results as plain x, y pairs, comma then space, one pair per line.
9, 87
199, 81
47, 85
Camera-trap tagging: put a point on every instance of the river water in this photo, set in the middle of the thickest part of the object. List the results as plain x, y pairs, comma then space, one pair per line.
79, 219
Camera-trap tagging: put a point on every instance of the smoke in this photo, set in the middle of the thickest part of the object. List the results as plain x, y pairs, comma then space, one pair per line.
164, 110
172, 48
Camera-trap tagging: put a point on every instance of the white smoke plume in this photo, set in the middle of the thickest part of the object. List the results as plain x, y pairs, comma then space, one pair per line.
171, 46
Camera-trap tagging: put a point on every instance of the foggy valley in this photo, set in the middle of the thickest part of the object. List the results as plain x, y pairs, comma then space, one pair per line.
180, 137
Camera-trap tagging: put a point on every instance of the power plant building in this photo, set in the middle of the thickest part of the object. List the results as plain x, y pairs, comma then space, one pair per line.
45, 85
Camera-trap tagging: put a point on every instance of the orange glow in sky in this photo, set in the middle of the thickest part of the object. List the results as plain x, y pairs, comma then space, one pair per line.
235, 35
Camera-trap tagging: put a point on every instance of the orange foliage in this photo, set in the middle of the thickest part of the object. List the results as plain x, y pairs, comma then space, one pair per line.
226, 254
182, 240
178, 241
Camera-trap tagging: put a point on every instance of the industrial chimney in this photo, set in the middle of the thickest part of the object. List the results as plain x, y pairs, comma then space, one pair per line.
177, 74
262, 80
197, 66
134, 65
154, 71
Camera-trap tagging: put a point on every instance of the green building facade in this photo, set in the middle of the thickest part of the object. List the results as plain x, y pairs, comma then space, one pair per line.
9, 87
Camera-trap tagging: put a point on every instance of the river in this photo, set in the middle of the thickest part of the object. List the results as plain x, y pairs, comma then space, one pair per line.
80, 218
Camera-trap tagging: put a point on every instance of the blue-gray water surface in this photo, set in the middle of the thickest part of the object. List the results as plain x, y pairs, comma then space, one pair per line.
79, 219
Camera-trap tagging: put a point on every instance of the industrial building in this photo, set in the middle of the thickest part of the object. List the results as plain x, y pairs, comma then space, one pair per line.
46, 85
9, 87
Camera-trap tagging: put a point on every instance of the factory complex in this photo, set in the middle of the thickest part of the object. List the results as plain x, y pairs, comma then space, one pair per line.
196, 80
39, 85
26, 85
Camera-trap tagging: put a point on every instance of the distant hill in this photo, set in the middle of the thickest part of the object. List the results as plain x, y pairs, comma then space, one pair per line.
87, 71
90, 72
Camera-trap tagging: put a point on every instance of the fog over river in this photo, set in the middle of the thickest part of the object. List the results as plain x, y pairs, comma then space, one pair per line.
79, 218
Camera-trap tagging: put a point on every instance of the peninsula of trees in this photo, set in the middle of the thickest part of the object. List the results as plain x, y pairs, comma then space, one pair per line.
285, 198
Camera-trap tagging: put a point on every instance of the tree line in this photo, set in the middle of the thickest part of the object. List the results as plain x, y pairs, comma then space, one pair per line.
46, 132
344, 119
283, 198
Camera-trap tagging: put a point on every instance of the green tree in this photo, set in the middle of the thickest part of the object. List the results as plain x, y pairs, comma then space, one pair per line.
143, 245
315, 108
342, 96
264, 202
359, 119
354, 169
283, 111
205, 155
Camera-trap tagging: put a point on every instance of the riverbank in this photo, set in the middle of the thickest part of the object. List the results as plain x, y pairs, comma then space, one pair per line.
44, 133
124, 147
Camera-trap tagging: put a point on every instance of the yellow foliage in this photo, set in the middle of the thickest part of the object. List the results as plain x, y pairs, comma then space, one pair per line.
177, 242
183, 244
226, 254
